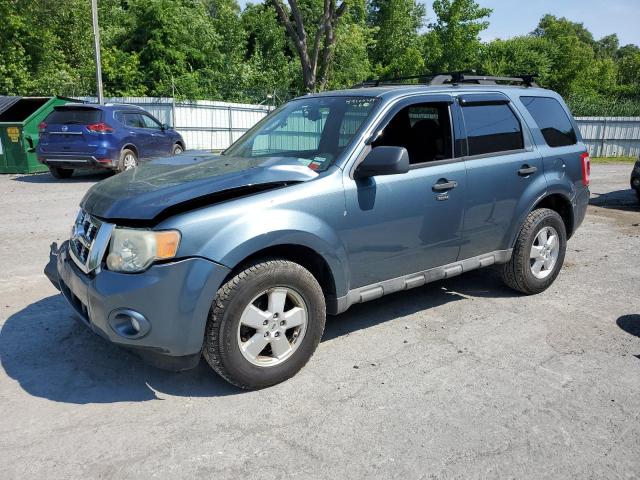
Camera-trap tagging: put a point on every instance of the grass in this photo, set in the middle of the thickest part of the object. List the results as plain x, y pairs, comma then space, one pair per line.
614, 159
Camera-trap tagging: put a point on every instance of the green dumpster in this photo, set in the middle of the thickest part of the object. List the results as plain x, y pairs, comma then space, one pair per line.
19, 120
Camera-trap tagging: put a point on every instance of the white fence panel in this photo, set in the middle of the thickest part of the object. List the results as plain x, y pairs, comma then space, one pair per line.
204, 124
611, 136
210, 125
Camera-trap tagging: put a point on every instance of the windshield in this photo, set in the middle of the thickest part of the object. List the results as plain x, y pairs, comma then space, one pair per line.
312, 130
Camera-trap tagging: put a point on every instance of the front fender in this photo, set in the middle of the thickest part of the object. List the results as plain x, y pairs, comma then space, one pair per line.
258, 230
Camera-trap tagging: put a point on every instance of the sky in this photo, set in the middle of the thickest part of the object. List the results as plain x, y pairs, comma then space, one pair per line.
600, 17
519, 17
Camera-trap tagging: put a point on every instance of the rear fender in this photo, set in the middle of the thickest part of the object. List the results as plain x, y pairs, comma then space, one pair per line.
562, 189
535, 191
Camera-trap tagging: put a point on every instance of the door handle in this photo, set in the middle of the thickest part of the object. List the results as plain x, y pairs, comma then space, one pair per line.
526, 170
443, 185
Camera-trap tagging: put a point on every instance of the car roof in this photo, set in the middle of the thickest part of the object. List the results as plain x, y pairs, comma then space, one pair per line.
105, 106
390, 92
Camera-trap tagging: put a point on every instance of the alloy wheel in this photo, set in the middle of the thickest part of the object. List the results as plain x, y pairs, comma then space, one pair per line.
544, 252
272, 326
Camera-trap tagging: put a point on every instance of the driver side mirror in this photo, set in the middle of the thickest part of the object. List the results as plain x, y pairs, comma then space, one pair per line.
384, 160
164, 127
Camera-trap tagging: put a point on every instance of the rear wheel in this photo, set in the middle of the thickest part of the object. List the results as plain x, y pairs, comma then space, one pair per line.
60, 173
264, 324
538, 254
128, 160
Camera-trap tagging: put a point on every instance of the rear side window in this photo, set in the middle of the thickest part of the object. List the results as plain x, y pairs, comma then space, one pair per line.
79, 116
552, 120
132, 120
492, 128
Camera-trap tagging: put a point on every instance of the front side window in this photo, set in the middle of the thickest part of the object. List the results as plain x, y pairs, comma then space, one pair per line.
424, 129
150, 122
312, 130
553, 121
492, 128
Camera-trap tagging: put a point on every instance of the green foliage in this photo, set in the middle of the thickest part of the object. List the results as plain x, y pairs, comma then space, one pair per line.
350, 59
269, 66
596, 77
396, 51
212, 49
355, 37
518, 56
456, 29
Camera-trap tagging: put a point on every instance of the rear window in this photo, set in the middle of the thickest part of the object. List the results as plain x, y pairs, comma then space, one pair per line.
80, 116
491, 129
552, 120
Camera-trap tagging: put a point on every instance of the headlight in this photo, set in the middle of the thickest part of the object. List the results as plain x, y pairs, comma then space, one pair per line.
132, 250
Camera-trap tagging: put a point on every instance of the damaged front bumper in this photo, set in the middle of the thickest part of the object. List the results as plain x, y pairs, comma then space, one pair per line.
174, 298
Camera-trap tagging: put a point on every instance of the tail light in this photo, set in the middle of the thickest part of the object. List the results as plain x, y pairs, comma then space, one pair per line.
586, 168
42, 126
99, 128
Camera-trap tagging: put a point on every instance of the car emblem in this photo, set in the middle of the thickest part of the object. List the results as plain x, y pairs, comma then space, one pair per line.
64, 128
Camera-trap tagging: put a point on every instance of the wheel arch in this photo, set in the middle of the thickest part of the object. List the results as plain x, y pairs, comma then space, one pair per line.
561, 204
132, 147
557, 201
303, 255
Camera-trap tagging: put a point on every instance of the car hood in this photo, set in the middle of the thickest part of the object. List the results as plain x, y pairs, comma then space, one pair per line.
169, 185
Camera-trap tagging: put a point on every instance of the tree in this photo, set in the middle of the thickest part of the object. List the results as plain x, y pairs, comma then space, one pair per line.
607, 46
351, 63
518, 56
397, 49
630, 69
270, 65
185, 60
575, 68
551, 26
315, 58
456, 34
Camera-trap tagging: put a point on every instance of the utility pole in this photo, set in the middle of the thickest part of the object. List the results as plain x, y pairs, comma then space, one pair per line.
96, 49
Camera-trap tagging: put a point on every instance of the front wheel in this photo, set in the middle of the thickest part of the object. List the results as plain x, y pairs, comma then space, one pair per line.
60, 173
538, 254
177, 149
264, 324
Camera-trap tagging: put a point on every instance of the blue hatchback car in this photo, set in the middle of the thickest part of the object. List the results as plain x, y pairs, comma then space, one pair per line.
111, 136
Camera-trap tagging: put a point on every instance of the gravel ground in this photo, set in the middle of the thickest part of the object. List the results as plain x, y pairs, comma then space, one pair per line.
462, 378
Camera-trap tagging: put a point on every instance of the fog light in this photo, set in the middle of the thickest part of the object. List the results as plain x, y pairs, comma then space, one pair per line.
129, 323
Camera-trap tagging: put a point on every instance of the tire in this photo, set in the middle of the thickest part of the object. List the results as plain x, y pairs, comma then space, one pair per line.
177, 149
128, 160
226, 336
519, 273
60, 173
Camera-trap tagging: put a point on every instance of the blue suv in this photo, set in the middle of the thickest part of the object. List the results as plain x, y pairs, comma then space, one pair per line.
333, 199
112, 136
